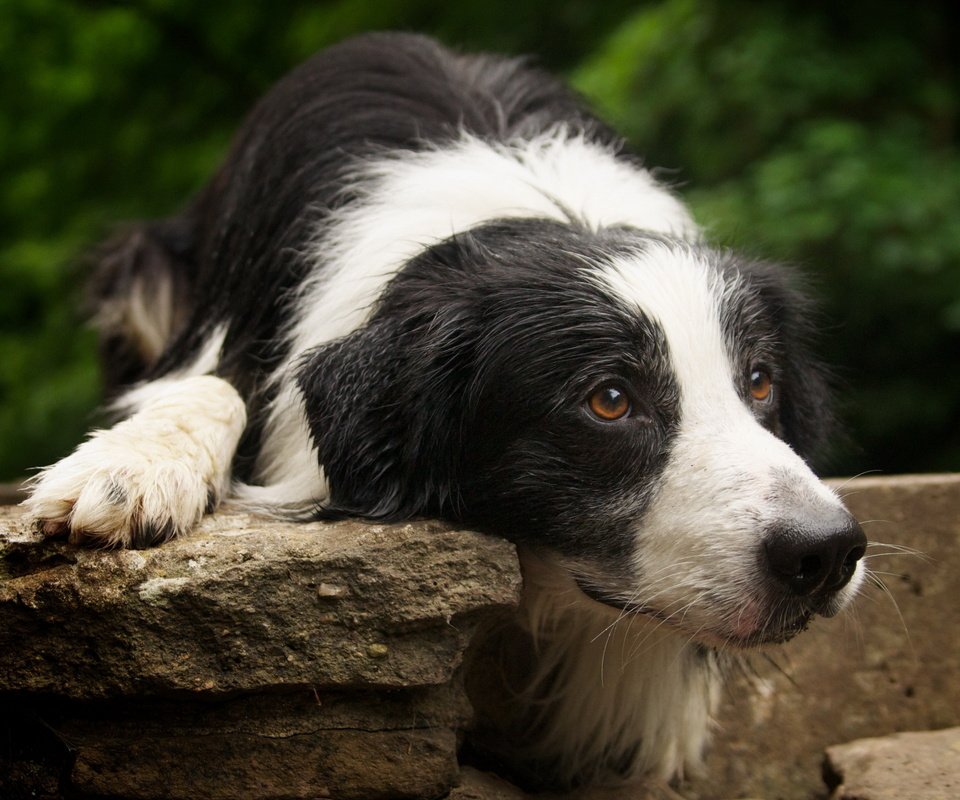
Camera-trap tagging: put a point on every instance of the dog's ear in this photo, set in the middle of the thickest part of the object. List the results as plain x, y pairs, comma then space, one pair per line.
806, 409
385, 407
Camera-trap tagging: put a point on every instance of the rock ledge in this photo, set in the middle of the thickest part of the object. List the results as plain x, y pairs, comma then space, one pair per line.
251, 658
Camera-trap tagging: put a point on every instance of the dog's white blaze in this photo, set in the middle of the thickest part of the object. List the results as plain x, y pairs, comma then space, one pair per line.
412, 201
716, 496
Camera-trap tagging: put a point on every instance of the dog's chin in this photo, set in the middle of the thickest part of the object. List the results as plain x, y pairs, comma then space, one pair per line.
766, 635
745, 636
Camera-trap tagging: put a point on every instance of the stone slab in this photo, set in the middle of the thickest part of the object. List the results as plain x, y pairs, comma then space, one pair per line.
244, 604
251, 658
905, 766
477, 785
286, 746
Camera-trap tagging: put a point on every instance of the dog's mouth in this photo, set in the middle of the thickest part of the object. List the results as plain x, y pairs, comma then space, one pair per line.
744, 635
614, 603
773, 634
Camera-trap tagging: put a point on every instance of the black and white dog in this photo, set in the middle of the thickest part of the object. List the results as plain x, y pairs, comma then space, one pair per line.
431, 284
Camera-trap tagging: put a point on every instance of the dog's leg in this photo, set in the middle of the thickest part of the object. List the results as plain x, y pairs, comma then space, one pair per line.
150, 477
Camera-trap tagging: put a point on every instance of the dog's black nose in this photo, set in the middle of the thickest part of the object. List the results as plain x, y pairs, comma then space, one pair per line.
816, 556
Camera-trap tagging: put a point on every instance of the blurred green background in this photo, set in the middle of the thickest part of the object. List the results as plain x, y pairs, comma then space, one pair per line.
822, 134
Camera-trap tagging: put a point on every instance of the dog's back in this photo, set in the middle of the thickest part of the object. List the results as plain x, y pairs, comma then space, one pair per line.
235, 256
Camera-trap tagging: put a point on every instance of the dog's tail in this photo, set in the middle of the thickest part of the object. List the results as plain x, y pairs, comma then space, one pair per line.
140, 296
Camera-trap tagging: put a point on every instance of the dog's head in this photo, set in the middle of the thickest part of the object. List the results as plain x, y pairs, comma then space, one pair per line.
639, 408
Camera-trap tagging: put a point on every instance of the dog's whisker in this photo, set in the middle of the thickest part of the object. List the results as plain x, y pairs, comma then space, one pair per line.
875, 579
852, 478
895, 549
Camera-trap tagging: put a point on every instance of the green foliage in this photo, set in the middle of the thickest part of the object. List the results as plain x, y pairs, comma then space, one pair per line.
816, 134
114, 111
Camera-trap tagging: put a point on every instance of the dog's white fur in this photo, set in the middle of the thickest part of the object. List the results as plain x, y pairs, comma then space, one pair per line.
610, 682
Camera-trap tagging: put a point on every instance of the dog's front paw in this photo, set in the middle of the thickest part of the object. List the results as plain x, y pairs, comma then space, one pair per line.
134, 502
145, 480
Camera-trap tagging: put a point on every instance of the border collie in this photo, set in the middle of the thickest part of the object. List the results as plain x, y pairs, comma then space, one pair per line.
432, 284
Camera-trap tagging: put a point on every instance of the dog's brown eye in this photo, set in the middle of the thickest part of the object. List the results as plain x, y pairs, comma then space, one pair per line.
609, 403
761, 385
